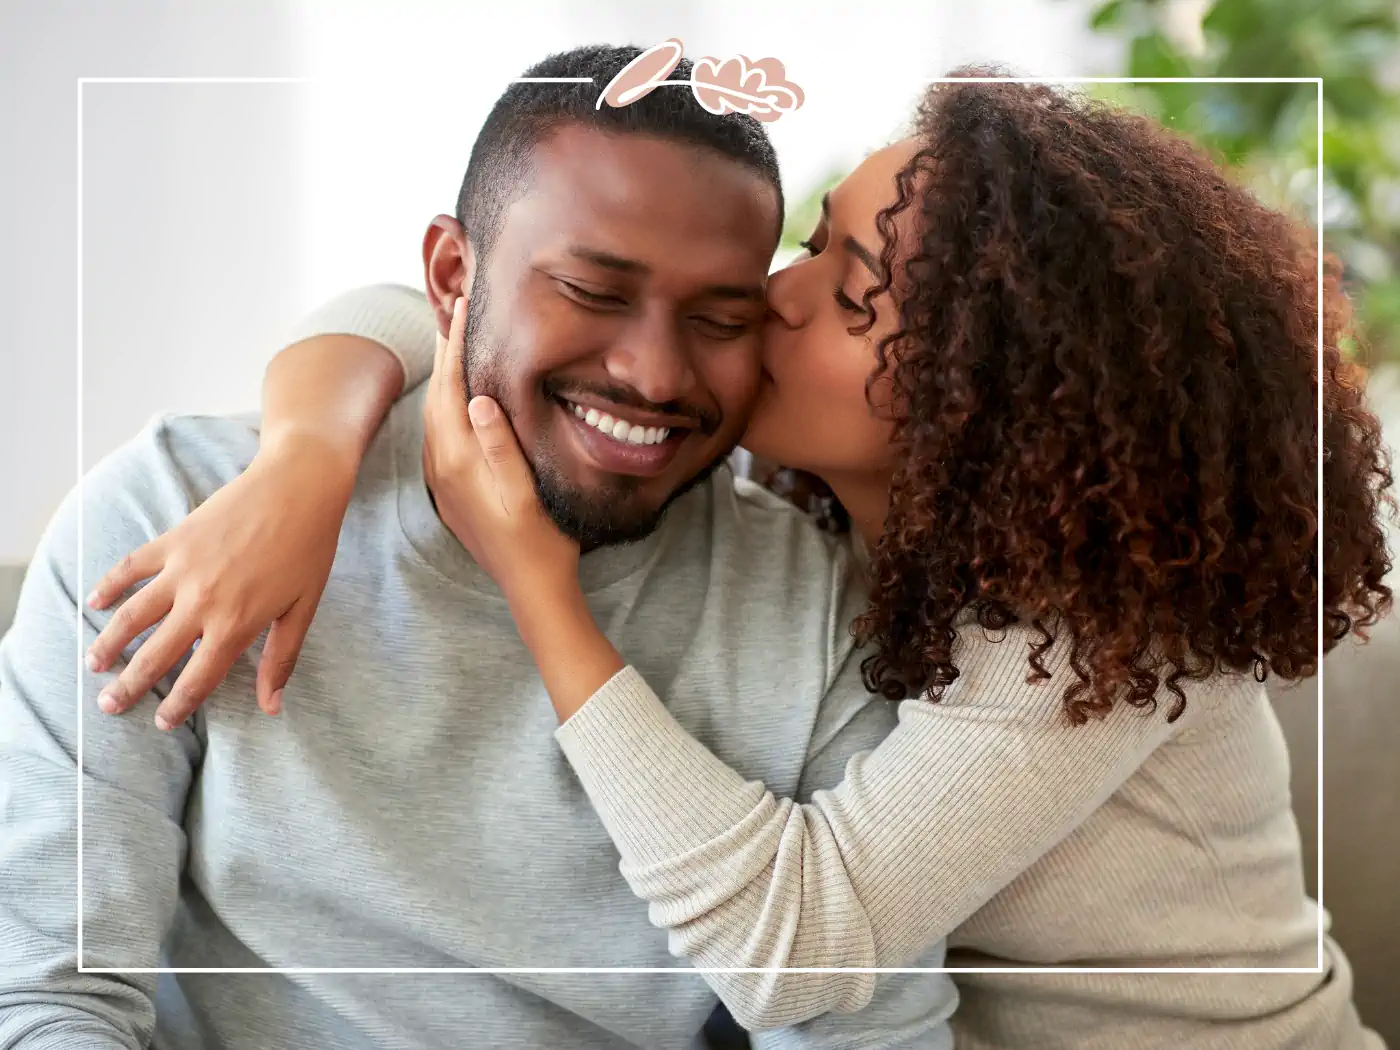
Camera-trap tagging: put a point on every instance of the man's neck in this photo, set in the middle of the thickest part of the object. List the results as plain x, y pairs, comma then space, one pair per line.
463, 535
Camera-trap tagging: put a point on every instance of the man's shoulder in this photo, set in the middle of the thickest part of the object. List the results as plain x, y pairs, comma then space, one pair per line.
758, 530
781, 594
147, 485
137, 492
784, 581
175, 462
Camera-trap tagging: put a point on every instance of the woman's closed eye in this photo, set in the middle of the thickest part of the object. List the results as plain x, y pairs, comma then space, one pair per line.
844, 301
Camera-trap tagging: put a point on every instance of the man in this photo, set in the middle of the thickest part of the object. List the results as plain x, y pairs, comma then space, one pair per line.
613, 259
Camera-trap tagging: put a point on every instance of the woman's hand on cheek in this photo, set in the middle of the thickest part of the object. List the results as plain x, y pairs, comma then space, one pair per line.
485, 493
484, 489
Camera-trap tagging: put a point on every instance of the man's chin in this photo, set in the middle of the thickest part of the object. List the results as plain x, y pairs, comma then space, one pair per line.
600, 517
611, 515
612, 530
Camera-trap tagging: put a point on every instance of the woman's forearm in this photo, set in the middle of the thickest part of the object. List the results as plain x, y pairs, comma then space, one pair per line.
574, 657
330, 391
958, 800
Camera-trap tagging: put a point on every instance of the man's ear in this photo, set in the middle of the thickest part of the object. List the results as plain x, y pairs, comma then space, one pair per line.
449, 267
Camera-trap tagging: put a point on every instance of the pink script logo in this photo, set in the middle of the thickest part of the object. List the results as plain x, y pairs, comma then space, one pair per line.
730, 85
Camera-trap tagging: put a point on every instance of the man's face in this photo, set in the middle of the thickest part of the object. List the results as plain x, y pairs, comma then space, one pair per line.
617, 322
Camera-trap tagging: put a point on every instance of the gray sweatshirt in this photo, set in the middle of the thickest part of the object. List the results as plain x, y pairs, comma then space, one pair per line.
411, 807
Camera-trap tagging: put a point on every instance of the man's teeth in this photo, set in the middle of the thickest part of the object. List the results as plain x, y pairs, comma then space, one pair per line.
620, 429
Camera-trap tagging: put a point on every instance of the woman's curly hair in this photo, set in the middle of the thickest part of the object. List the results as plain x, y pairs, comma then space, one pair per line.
1104, 380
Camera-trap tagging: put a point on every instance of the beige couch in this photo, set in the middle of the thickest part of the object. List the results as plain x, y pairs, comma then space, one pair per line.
1361, 785
1361, 797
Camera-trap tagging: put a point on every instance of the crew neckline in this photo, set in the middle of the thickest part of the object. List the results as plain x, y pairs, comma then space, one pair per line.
434, 542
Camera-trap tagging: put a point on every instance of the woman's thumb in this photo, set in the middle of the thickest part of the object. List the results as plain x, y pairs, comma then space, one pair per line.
496, 438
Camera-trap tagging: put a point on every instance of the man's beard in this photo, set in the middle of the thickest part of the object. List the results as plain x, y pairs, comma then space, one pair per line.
592, 519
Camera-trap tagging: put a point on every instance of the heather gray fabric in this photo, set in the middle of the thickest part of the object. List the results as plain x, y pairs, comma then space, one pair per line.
410, 807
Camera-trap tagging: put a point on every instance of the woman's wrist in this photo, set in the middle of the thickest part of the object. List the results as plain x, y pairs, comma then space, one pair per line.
326, 397
574, 656
545, 607
329, 458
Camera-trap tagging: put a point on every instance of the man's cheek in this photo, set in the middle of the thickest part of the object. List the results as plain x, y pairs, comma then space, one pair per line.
735, 386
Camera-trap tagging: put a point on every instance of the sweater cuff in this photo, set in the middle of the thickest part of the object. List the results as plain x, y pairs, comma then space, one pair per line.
395, 316
658, 790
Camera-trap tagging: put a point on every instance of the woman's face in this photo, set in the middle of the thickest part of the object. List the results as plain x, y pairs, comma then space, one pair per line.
812, 412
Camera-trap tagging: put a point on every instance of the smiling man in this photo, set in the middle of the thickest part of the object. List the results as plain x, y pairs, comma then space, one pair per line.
615, 299
614, 261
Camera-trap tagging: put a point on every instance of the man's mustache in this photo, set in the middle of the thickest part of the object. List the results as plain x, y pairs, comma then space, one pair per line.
705, 420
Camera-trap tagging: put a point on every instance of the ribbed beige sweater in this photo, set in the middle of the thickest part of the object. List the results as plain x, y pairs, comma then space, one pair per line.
985, 818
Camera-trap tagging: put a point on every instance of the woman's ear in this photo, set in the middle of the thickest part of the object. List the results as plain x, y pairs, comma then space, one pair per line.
449, 267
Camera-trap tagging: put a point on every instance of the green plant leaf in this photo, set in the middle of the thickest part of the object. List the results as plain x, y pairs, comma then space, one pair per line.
1107, 16
1153, 55
802, 217
1268, 132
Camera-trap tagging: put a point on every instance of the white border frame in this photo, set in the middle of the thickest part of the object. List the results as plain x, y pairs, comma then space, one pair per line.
683, 969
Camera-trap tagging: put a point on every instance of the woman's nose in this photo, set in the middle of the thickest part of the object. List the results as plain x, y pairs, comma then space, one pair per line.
785, 297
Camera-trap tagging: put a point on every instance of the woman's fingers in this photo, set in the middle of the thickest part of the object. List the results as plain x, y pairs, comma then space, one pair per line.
139, 612
151, 662
441, 442
279, 655
501, 450
454, 435
456, 343
206, 669
140, 564
446, 348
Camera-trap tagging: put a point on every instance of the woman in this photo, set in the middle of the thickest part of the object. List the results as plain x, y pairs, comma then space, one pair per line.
1060, 376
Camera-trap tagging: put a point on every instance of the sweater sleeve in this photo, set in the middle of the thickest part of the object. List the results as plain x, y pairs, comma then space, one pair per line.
395, 316
949, 808
132, 781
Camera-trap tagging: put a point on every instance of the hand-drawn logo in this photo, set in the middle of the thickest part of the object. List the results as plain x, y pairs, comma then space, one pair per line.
730, 85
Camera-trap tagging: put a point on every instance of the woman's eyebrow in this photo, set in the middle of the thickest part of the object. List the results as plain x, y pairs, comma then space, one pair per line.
853, 246
865, 255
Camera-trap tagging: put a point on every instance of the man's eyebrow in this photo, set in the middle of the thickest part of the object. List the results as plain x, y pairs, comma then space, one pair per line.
860, 251
609, 261
752, 292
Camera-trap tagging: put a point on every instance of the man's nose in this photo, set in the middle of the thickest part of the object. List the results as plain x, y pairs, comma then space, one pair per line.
653, 360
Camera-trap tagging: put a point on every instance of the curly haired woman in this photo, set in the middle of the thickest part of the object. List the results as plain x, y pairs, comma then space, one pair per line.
1058, 379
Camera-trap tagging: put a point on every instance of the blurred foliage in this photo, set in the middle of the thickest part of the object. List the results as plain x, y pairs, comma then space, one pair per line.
1268, 132
802, 217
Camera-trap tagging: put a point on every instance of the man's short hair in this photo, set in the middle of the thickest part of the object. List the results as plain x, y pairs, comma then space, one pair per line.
499, 167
